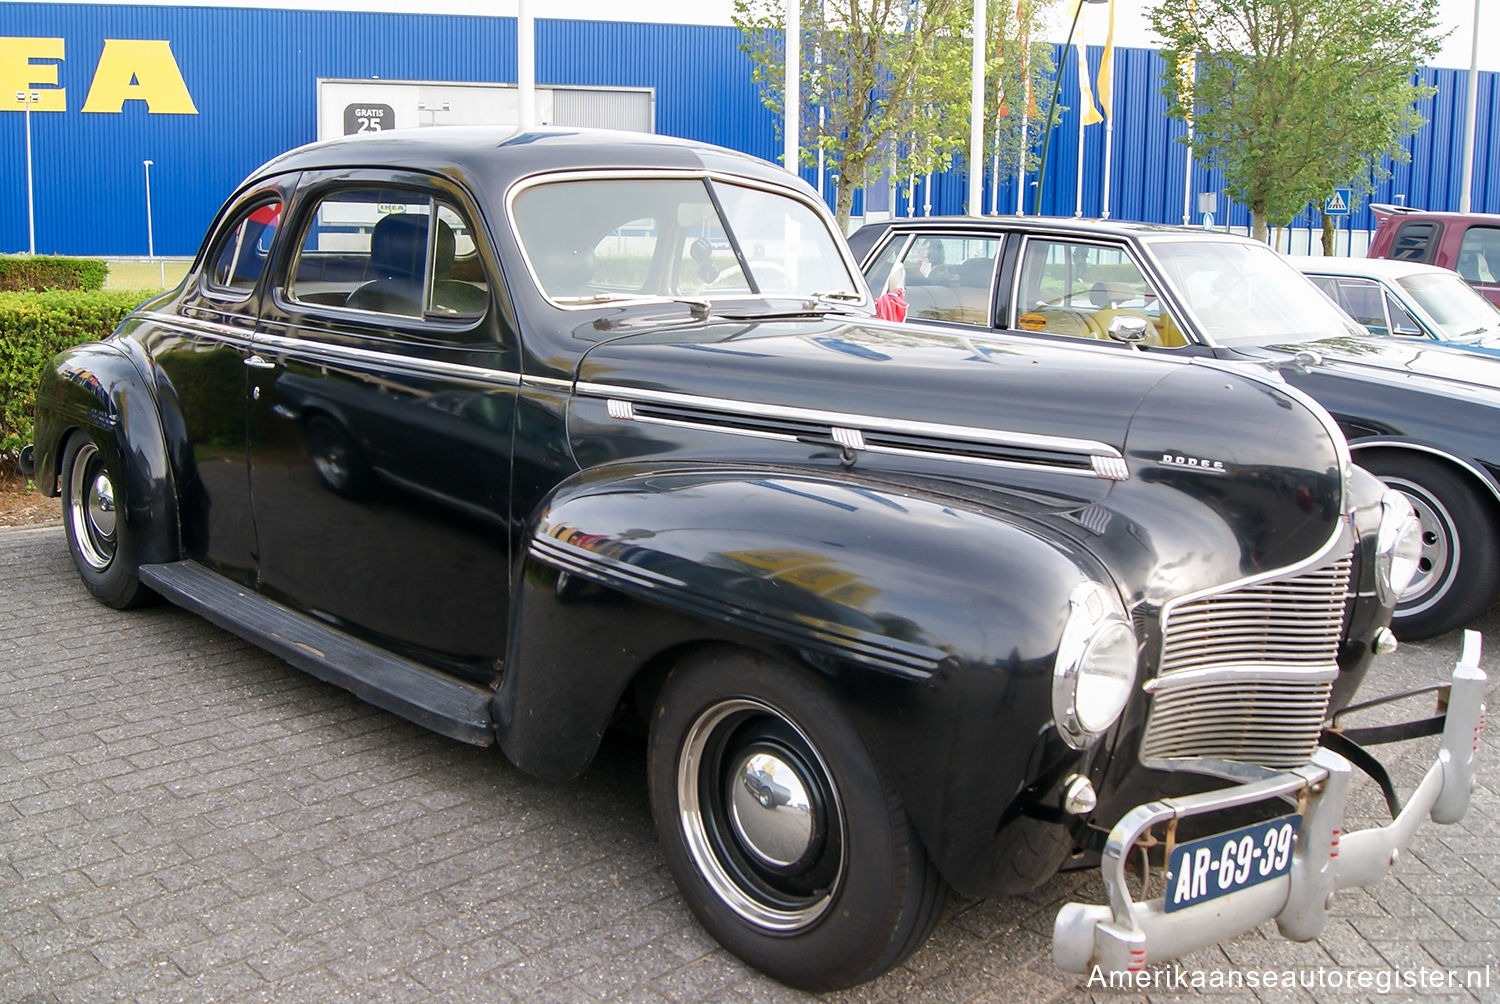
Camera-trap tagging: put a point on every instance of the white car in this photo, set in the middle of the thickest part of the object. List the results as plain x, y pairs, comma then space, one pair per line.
1406, 298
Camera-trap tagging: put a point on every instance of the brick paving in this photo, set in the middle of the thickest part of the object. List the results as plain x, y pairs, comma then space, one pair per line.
185, 818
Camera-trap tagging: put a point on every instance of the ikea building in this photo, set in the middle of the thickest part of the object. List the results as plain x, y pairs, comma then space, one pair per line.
207, 93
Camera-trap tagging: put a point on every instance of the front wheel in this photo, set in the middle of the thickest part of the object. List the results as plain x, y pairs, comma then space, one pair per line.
822, 890
1458, 573
101, 542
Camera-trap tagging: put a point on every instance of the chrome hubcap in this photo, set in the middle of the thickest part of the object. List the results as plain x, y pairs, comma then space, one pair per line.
774, 824
1440, 549
761, 816
91, 508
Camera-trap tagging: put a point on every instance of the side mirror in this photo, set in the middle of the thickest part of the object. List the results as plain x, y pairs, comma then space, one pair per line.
1128, 328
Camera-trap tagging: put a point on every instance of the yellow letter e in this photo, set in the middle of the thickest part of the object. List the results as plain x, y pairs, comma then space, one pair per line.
19, 73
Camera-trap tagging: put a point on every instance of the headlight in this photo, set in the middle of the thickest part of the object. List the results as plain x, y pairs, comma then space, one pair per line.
1096, 665
1398, 546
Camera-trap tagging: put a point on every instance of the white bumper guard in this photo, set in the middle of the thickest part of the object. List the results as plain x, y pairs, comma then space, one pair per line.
1124, 936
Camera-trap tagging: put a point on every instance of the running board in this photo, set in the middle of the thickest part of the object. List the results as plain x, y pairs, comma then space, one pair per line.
425, 696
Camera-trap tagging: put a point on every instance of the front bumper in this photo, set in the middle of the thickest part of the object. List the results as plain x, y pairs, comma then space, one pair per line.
1125, 935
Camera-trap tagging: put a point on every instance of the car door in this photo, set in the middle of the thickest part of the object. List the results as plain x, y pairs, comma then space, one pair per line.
381, 420
201, 343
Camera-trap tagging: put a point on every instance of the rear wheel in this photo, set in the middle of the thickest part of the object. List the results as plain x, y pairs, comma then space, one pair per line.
825, 889
101, 542
1458, 574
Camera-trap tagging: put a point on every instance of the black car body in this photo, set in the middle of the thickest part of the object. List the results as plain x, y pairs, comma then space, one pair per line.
1422, 417
600, 428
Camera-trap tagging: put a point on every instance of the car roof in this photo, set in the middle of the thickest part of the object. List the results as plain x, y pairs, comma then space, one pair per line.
1369, 268
1083, 226
496, 156
1386, 212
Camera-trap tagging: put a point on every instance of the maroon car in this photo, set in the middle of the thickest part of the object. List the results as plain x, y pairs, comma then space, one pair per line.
1468, 243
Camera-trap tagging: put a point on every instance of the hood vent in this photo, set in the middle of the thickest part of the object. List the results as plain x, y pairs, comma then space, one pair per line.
862, 433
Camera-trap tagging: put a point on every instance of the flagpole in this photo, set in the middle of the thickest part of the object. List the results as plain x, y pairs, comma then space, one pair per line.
1078, 192
1106, 83
792, 89
1187, 181
1021, 169
976, 112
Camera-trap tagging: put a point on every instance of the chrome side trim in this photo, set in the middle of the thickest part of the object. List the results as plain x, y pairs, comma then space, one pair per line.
864, 423
547, 383
213, 329
410, 364
865, 647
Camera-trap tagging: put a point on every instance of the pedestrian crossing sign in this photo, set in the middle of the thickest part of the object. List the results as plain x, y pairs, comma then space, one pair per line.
1338, 202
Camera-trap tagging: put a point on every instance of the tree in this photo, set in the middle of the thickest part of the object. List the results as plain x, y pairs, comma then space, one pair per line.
892, 78
1292, 98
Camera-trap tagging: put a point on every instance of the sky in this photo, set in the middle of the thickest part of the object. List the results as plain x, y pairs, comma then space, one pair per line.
1455, 16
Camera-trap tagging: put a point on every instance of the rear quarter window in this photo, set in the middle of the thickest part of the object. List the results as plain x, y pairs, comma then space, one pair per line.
1414, 241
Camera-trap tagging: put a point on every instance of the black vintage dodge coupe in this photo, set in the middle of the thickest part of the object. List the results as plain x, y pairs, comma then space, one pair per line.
520, 435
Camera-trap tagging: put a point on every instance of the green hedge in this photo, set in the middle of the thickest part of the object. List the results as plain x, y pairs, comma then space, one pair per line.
35, 273
33, 328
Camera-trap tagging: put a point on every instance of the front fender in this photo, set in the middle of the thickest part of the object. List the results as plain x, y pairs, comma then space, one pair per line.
934, 622
98, 389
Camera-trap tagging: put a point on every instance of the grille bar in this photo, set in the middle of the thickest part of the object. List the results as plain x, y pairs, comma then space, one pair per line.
1228, 709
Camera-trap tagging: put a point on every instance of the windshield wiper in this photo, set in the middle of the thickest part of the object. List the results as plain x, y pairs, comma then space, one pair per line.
840, 295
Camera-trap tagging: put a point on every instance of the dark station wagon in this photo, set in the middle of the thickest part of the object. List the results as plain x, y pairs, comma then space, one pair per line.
522, 435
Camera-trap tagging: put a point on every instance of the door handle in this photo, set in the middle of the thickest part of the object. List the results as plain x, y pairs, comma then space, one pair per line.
256, 362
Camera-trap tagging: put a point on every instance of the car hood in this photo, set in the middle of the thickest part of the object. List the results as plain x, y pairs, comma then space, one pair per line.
1441, 367
1230, 472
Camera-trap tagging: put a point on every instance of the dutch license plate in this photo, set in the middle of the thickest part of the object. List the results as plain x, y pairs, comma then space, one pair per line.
1215, 866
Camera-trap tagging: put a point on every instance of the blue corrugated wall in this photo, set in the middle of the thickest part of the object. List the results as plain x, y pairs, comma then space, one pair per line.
253, 73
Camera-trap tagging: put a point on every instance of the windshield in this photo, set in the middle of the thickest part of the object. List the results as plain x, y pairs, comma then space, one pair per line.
600, 240
1452, 304
1245, 294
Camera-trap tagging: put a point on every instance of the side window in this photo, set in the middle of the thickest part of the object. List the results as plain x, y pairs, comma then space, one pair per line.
389, 251
1078, 289
1414, 241
1479, 254
1402, 320
1363, 300
947, 278
241, 255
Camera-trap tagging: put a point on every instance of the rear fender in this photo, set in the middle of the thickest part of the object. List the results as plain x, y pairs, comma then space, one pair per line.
933, 623
97, 390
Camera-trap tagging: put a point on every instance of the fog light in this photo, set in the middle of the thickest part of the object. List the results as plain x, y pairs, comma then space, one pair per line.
1385, 643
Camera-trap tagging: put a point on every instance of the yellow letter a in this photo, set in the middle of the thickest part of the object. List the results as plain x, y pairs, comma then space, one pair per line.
139, 70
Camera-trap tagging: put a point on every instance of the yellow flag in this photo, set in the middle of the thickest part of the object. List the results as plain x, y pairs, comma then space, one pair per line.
1107, 68
1085, 92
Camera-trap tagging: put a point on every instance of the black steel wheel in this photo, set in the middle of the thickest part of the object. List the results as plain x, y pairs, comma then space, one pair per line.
99, 536
824, 889
1458, 574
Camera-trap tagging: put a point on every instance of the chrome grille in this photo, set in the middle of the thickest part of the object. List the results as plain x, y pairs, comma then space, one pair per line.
1246, 674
